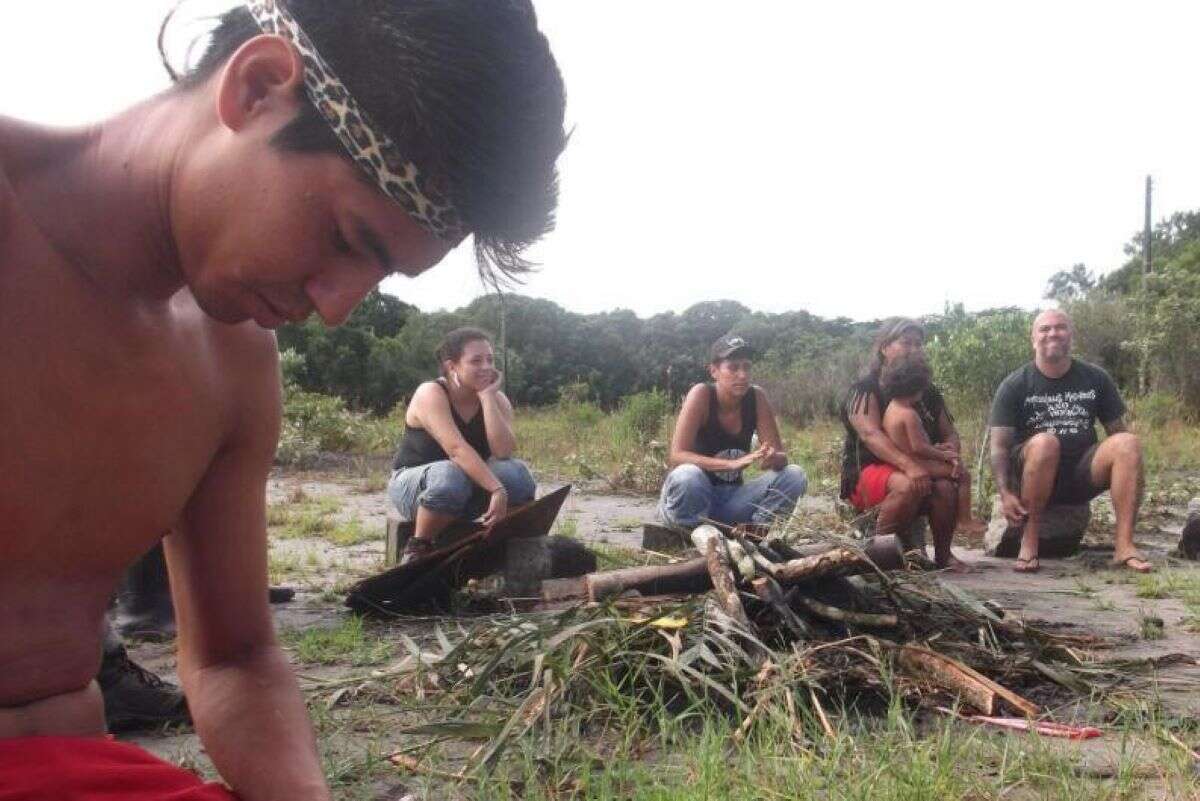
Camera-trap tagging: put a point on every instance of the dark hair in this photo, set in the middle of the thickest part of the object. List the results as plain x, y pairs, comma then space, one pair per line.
906, 376
889, 332
452, 345
468, 90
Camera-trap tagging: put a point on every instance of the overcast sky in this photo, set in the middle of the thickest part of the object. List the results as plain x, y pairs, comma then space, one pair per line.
857, 158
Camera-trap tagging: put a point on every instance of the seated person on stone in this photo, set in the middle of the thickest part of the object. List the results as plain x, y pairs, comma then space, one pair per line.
711, 447
455, 460
877, 476
1044, 445
905, 381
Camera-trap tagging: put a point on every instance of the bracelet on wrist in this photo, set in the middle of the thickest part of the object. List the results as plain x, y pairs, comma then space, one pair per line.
498, 490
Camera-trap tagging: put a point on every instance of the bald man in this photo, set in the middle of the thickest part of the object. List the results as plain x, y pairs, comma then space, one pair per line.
1044, 444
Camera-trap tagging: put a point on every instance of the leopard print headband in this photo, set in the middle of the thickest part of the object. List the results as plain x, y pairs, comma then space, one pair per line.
371, 148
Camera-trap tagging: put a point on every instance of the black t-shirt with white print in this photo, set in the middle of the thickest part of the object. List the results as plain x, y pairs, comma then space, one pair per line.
1067, 407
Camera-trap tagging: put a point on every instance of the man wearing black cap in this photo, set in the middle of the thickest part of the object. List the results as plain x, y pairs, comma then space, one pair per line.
711, 447
875, 473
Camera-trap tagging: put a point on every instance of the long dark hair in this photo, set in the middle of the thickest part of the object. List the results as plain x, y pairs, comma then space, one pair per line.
888, 333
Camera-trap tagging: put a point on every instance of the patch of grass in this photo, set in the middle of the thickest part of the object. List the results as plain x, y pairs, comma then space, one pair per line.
895, 760
1183, 584
349, 642
1150, 627
1179, 583
303, 516
611, 557
373, 483
351, 532
567, 526
315, 517
282, 566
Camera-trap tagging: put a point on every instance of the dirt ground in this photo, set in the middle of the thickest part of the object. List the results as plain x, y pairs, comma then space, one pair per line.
1081, 594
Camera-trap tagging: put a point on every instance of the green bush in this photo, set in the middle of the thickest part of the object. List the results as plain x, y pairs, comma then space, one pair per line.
1157, 409
574, 403
315, 424
641, 416
972, 354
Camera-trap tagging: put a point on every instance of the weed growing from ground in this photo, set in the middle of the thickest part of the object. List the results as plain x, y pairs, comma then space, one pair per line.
349, 642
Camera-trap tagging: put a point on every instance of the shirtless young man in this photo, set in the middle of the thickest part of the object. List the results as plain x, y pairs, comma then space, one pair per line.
905, 381
142, 259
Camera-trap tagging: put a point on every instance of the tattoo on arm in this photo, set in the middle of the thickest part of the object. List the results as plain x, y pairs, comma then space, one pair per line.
1001, 446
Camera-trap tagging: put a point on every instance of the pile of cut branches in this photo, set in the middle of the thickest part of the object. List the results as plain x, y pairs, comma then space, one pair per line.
756, 645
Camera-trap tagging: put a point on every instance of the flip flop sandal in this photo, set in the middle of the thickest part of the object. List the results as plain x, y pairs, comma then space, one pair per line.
1031, 565
1124, 563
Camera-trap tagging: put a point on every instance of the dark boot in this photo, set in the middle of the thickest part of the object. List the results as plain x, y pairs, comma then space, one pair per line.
145, 609
1189, 539
134, 698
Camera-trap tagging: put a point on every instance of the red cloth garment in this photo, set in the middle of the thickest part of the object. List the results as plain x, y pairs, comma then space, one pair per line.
872, 486
94, 769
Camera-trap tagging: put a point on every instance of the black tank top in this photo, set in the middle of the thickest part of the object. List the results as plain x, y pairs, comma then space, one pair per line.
418, 446
713, 440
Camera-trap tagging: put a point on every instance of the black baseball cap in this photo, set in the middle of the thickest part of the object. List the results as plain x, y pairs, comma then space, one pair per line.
729, 346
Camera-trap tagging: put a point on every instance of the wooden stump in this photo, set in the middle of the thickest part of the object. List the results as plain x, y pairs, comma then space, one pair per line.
667, 539
527, 562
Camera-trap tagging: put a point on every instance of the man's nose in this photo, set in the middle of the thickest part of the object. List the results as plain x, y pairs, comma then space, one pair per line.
334, 293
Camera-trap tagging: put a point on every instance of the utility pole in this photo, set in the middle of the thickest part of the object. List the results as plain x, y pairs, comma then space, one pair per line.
1147, 237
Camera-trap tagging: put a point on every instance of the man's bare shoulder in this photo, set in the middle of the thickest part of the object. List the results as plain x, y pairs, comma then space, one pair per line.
244, 356
244, 344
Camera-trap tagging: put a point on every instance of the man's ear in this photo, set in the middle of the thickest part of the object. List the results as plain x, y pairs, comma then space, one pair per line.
266, 74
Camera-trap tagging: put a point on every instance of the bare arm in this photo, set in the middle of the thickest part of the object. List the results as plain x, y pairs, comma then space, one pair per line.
683, 440
240, 688
431, 408
1001, 443
498, 421
774, 457
865, 420
918, 442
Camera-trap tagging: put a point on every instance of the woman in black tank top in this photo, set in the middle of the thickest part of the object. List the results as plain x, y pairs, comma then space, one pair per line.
455, 459
711, 446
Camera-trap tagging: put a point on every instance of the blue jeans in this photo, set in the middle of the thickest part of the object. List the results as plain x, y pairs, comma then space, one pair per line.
689, 497
444, 487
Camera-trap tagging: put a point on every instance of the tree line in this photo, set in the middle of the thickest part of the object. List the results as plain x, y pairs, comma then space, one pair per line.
1145, 331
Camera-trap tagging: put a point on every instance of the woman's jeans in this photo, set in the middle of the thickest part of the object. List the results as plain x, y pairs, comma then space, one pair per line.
689, 497
444, 487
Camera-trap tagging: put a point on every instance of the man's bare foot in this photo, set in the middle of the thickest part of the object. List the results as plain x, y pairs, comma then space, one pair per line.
1133, 562
971, 528
1029, 564
955, 565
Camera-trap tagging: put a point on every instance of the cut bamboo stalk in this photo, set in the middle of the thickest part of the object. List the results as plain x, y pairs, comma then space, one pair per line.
723, 585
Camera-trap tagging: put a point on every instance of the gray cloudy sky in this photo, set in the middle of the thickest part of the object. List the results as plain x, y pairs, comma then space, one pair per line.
855, 158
